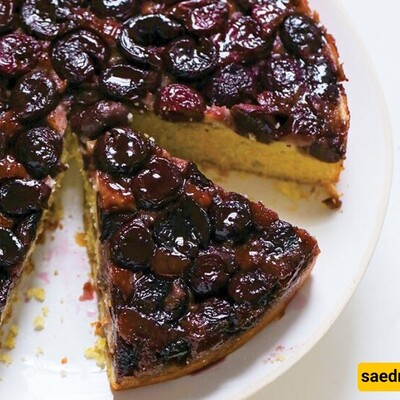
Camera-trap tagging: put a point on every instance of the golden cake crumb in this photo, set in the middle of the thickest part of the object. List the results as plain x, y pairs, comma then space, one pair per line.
11, 337
45, 311
97, 353
64, 360
5, 358
37, 293
38, 323
80, 239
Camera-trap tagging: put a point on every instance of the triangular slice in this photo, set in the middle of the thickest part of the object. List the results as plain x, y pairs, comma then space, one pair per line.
186, 272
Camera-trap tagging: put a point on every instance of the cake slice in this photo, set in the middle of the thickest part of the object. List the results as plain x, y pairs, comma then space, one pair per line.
185, 271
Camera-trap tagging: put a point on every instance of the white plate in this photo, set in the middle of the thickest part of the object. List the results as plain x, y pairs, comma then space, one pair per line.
347, 239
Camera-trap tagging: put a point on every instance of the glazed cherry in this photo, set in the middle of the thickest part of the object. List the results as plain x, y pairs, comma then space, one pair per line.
18, 54
119, 9
27, 228
202, 16
12, 250
256, 288
125, 82
131, 245
7, 8
233, 84
141, 35
253, 254
34, 95
121, 151
21, 196
40, 149
40, 18
231, 217
189, 60
126, 358
244, 37
79, 55
175, 301
111, 221
177, 102
96, 119
301, 36
159, 183
255, 120
209, 274
177, 351
169, 264
306, 123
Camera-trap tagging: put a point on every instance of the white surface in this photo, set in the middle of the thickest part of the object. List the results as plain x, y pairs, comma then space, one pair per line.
44, 377
369, 328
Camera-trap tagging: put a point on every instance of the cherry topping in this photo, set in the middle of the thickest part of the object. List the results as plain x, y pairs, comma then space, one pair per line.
131, 245
18, 197
209, 274
177, 352
148, 30
12, 250
79, 55
40, 149
18, 54
301, 36
96, 119
175, 301
177, 102
158, 184
254, 253
27, 229
188, 60
202, 16
121, 151
125, 82
231, 217
169, 264
34, 95
120, 9
3, 144
256, 288
233, 84
7, 8
126, 358
110, 222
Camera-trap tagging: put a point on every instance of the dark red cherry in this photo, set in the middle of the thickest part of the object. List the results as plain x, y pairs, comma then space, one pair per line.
189, 60
96, 119
121, 151
34, 95
177, 102
175, 301
256, 288
125, 82
306, 123
202, 16
209, 274
254, 120
301, 36
168, 264
26, 229
131, 245
253, 254
234, 84
231, 217
159, 183
142, 35
18, 54
125, 358
110, 221
119, 9
40, 18
176, 352
79, 55
12, 250
40, 150
7, 9
19, 196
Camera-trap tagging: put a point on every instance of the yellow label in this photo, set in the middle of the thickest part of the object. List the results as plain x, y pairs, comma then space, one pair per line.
379, 377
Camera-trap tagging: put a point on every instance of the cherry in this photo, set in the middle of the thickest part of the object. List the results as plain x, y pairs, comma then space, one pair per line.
125, 82
34, 95
119, 9
141, 35
256, 288
234, 84
26, 229
121, 151
125, 358
79, 55
301, 36
96, 119
110, 221
177, 102
7, 8
176, 352
169, 264
40, 150
189, 60
202, 16
12, 251
131, 245
159, 183
231, 217
176, 299
21, 196
254, 253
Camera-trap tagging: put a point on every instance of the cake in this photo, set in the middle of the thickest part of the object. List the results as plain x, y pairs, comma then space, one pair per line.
132, 90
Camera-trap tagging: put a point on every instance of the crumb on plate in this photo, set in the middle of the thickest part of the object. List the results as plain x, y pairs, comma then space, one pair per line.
36, 293
97, 352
